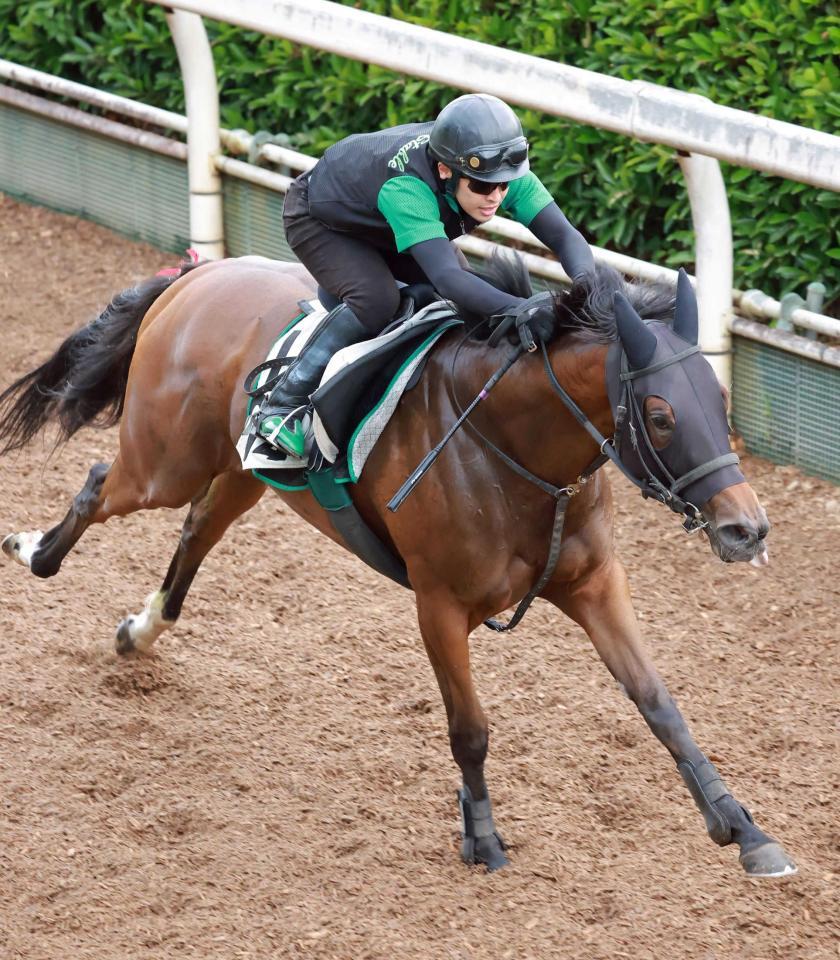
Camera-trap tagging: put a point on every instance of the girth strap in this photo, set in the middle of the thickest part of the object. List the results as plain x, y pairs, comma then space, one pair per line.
348, 522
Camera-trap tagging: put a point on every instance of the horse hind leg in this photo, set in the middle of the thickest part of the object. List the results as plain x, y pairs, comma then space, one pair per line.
226, 498
108, 492
43, 553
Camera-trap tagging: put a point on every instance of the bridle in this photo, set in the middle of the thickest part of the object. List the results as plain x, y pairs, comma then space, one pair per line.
629, 427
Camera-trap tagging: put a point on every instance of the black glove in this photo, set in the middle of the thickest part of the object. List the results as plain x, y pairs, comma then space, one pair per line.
533, 318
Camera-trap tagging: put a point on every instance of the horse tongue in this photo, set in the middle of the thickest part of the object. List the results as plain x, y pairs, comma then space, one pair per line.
761, 559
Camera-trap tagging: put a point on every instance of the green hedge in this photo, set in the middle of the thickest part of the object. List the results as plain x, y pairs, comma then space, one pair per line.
771, 57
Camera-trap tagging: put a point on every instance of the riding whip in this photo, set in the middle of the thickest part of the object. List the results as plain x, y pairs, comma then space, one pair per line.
417, 474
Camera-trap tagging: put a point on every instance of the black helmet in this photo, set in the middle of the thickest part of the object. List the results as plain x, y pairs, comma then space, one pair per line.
481, 137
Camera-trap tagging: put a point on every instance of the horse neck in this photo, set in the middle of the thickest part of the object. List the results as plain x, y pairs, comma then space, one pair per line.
531, 421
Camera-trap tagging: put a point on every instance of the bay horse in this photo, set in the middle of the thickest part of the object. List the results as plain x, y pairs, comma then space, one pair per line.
167, 359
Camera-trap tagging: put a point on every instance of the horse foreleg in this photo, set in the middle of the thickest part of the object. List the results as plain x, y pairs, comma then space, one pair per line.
227, 497
44, 553
600, 603
444, 629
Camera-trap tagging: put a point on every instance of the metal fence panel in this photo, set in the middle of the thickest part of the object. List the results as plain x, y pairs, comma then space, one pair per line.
254, 220
787, 407
139, 194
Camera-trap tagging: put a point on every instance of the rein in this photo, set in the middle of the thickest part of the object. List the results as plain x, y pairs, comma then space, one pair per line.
629, 421
650, 487
562, 496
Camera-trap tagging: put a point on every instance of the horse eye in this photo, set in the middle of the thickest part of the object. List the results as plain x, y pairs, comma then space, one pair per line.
660, 421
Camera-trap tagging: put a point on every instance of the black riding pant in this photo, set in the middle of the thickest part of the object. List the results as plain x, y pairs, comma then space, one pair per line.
348, 268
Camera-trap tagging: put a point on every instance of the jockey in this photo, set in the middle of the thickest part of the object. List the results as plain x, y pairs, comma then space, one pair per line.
383, 207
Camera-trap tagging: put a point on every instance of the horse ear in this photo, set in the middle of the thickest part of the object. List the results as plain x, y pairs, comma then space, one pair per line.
639, 343
686, 324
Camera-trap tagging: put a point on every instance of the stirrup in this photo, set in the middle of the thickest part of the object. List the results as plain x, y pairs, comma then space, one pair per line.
287, 430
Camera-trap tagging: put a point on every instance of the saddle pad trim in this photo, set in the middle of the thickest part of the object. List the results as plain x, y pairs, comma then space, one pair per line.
348, 522
418, 353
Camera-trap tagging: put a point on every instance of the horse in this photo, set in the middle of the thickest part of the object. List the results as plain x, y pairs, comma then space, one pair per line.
167, 358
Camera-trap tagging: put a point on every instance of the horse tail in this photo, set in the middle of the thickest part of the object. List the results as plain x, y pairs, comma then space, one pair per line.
84, 381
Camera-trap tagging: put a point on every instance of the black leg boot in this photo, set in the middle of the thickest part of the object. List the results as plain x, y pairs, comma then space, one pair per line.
284, 416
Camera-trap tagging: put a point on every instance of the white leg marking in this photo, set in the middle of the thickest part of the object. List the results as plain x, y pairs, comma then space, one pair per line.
21, 546
144, 628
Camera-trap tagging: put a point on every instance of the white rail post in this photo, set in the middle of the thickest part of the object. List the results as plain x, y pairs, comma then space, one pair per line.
713, 254
203, 138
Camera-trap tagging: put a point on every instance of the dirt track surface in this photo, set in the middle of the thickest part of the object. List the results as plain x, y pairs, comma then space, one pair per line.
276, 780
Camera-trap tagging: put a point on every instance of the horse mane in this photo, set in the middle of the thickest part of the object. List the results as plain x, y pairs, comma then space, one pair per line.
585, 310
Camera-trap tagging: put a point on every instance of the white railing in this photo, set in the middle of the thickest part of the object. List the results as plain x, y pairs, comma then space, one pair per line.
705, 185
646, 111
241, 142
700, 130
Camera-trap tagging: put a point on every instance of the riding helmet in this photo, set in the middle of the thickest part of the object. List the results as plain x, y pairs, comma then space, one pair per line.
479, 136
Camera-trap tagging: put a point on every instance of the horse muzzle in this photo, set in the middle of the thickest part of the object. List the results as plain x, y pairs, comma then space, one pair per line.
741, 542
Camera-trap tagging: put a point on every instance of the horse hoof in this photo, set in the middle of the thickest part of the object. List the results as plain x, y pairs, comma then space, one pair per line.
487, 850
125, 641
20, 547
768, 860
138, 631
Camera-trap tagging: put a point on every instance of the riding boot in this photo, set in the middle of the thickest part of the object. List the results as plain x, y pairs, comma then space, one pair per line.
285, 416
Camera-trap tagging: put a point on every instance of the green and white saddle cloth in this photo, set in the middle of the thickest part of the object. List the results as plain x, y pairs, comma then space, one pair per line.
359, 391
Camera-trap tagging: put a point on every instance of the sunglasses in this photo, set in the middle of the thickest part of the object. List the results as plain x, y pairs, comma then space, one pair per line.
483, 188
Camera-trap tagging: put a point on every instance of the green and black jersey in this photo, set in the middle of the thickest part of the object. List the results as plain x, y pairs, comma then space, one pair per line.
384, 188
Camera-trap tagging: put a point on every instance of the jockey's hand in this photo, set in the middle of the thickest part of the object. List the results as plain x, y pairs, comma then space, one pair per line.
536, 325
534, 320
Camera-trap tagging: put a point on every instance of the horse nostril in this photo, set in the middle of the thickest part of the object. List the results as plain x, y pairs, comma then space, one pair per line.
737, 535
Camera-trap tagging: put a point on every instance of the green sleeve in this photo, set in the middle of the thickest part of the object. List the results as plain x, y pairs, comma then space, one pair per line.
411, 209
525, 198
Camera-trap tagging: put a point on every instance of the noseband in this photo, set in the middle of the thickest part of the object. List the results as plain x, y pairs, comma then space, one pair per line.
630, 424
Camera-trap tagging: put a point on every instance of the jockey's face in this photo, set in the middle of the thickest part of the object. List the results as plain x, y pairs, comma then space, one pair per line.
480, 208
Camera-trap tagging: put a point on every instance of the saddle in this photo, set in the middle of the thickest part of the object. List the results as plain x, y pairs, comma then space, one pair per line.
359, 391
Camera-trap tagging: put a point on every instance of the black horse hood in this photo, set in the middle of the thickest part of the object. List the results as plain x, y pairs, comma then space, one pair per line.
689, 385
